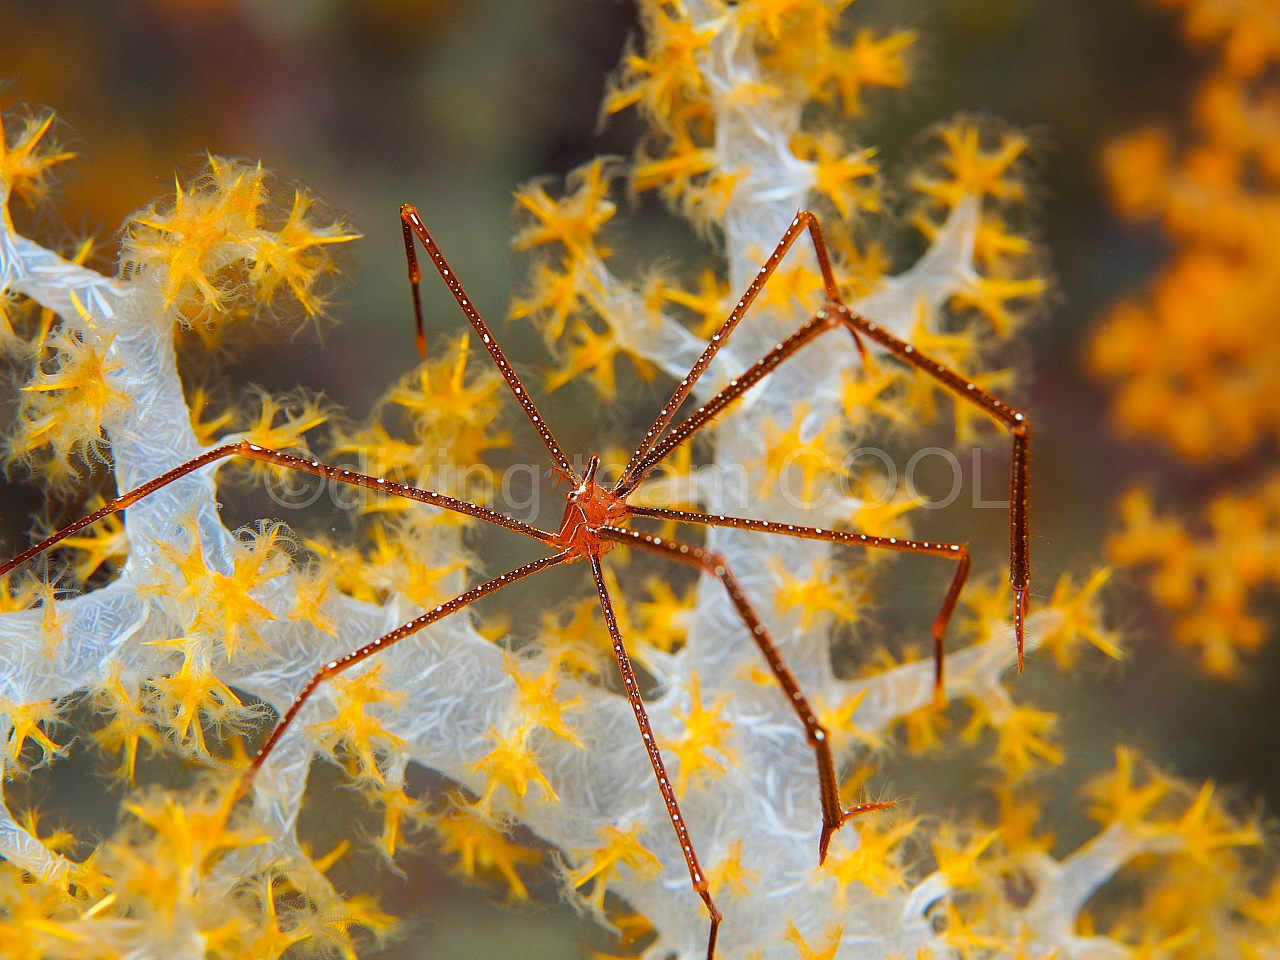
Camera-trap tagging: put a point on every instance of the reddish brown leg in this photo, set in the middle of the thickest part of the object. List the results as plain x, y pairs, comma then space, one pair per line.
954, 551
634, 471
655, 755
336, 667
413, 225
1015, 421
834, 816
252, 452
835, 314
735, 388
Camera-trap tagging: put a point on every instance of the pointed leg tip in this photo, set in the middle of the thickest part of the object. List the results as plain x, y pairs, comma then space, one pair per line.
824, 843
1020, 622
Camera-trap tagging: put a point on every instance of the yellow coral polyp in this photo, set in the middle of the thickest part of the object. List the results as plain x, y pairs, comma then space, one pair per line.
729, 873
924, 727
1206, 581
710, 302
194, 240
452, 405
71, 399
684, 160
574, 220
703, 749
822, 592
270, 940
280, 423
398, 811
996, 298
803, 45
996, 244
219, 606
870, 61
666, 73
665, 617
406, 559
481, 845
1118, 800
536, 696
621, 847
1206, 832
1022, 743
130, 724
218, 241
294, 256
184, 703
105, 544
1081, 619
806, 952
876, 860
571, 637
356, 739
513, 764
193, 837
594, 354
314, 587
29, 722
27, 159
839, 724
846, 178
82, 371
961, 862
971, 169
554, 297
799, 282
813, 453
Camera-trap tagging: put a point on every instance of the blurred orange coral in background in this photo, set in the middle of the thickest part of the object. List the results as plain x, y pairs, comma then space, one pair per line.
1196, 361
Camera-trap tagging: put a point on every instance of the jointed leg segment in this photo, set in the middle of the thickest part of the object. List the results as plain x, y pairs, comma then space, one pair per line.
413, 226
655, 755
635, 469
834, 815
954, 551
314, 467
835, 314
1019, 427
249, 451
335, 667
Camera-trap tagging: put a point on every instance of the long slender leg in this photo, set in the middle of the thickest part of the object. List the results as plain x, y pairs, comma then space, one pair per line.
335, 667
834, 816
953, 551
655, 755
734, 389
413, 225
1014, 420
253, 452
830, 317
804, 219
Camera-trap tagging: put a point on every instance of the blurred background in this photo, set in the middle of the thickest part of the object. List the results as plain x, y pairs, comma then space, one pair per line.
451, 105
